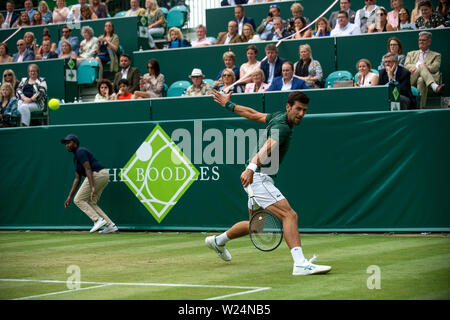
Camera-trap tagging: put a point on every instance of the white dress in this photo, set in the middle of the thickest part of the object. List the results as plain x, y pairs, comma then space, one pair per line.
367, 80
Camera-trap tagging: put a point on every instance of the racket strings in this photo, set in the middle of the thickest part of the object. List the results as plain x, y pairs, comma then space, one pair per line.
266, 231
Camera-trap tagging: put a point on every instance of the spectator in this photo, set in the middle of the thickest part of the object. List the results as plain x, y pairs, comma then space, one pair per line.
29, 39
46, 52
32, 94
394, 45
415, 13
67, 51
392, 16
100, 9
47, 37
9, 115
429, 19
344, 6
176, 39
28, 5
156, 21
124, 90
266, 26
241, 19
2, 22
287, 81
231, 36
323, 28
229, 58
11, 16
278, 31
45, 12
344, 27
67, 36
297, 12
404, 20
23, 53
152, 83
381, 24
108, 49
22, 21
105, 91
424, 66
224, 3
37, 19
248, 34
300, 24
271, 66
135, 9
86, 13
4, 53
75, 11
128, 72
10, 76
88, 47
393, 72
308, 69
366, 77
443, 10
251, 65
202, 40
365, 16
225, 85
198, 87
60, 12
257, 84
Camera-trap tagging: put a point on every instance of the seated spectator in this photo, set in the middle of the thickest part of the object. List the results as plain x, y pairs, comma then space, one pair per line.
366, 77
29, 8
4, 53
429, 19
152, 83
67, 36
45, 12
32, 94
88, 47
22, 21
266, 26
3, 24
273, 64
198, 87
394, 45
300, 24
381, 24
424, 66
344, 6
278, 31
99, 8
344, 27
10, 76
308, 69
415, 13
105, 91
75, 11
443, 9
67, 51
46, 52
135, 9
156, 21
392, 16
30, 42
297, 12
60, 12
225, 85
47, 37
404, 20
248, 34
257, 84
202, 40
323, 28
23, 53
224, 3
176, 39
37, 19
8, 106
393, 72
241, 19
86, 13
229, 58
124, 93
128, 72
108, 49
251, 65
287, 81
231, 36
365, 16
11, 16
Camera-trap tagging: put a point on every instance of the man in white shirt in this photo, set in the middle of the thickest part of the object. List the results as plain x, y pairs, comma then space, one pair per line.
345, 6
202, 40
365, 16
344, 27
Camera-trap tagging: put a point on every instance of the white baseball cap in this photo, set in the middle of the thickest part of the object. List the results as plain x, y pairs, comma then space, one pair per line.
196, 73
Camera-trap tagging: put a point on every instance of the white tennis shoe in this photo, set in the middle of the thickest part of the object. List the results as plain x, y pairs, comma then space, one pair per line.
220, 250
109, 229
98, 224
308, 268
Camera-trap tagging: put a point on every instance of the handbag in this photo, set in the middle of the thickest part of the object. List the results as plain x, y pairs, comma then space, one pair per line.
343, 82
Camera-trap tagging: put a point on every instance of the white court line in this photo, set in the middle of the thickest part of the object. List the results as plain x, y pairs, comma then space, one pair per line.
102, 284
59, 292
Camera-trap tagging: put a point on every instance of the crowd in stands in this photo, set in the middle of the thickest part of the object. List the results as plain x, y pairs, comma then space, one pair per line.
272, 73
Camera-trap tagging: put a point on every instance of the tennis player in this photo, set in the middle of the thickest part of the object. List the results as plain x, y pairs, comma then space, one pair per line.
279, 126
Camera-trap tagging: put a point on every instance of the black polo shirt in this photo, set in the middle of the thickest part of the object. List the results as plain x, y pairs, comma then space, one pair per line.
81, 155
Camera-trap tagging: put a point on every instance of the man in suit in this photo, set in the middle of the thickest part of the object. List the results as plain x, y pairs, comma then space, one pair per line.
287, 81
266, 26
241, 19
279, 31
272, 65
345, 6
231, 36
10, 15
424, 66
128, 72
393, 72
23, 53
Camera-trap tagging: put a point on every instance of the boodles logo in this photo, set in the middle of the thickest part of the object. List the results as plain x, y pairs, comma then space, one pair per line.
159, 173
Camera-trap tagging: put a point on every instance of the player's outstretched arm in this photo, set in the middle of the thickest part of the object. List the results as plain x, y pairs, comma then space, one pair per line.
249, 113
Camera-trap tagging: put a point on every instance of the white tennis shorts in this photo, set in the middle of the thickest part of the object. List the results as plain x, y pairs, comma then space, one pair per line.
264, 190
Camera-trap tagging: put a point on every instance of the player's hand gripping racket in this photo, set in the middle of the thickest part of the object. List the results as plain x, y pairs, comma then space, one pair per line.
265, 229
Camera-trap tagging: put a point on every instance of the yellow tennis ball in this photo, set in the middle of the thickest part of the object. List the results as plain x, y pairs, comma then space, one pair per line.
53, 104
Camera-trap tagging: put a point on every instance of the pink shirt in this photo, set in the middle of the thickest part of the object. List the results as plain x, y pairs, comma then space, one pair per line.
392, 18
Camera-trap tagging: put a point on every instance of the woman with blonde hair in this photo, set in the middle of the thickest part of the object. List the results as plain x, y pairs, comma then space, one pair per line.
156, 21
8, 106
60, 12
248, 34
323, 28
229, 58
415, 13
257, 83
46, 14
365, 76
381, 23
66, 50
308, 69
176, 39
22, 21
10, 76
228, 78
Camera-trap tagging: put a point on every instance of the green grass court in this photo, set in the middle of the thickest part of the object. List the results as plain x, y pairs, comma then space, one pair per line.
178, 266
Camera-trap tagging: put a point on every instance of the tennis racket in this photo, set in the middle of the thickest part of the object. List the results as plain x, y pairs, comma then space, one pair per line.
265, 229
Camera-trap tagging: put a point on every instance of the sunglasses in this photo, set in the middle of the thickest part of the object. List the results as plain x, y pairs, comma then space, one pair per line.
380, 14
273, 6
7, 75
227, 75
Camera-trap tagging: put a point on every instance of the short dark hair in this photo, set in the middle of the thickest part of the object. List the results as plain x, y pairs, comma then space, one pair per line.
123, 81
343, 12
126, 55
271, 47
426, 3
297, 96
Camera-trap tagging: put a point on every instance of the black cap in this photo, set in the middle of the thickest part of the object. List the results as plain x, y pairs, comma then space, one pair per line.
70, 137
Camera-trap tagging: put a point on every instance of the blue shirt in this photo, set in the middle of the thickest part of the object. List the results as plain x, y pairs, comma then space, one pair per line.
80, 156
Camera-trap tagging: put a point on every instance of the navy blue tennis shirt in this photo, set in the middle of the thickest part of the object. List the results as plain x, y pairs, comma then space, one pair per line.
80, 156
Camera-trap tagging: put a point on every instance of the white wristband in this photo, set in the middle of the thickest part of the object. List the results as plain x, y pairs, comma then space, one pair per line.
252, 166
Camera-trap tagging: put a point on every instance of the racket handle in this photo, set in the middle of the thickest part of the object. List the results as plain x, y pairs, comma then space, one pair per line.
249, 191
